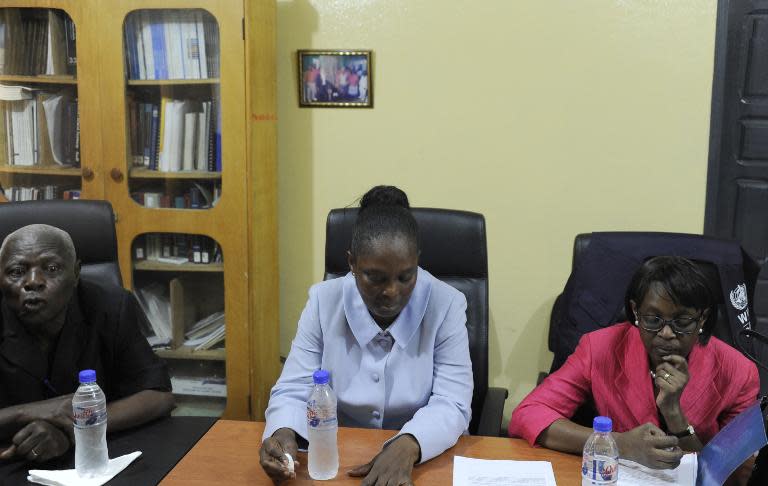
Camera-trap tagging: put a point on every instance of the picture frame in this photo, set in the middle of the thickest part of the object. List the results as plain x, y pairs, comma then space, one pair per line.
335, 78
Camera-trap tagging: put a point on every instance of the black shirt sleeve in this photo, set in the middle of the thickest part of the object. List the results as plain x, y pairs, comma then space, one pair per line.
136, 367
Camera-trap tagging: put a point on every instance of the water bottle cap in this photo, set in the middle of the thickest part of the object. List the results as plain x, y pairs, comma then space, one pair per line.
87, 376
602, 424
321, 377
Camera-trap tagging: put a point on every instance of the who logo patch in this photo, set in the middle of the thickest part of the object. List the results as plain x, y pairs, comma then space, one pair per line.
739, 297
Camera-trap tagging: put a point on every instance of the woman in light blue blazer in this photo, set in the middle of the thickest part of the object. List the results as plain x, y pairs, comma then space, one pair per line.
394, 339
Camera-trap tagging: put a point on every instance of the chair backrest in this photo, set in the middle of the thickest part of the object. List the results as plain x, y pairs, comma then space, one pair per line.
453, 249
594, 294
91, 224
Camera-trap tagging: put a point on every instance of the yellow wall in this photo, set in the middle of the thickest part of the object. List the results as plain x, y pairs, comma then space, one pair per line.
550, 117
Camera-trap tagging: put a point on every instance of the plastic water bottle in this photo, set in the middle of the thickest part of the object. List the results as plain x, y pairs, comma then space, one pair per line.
600, 462
89, 407
323, 426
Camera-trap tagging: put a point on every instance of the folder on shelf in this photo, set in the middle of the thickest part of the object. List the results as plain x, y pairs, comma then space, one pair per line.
53, 108
157, 307
56, 62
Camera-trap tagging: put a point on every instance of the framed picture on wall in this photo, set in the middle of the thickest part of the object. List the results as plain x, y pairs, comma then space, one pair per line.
340, 79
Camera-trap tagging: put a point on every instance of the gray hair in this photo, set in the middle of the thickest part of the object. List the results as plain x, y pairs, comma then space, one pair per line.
36, 231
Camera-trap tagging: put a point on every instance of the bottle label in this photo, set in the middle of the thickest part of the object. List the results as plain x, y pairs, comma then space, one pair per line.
86, 416
320, 416
600, 469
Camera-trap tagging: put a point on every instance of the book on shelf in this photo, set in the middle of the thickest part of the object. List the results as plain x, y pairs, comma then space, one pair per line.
37, 41
206, 387
206, 333
173, 260
171, 44
71, 45
209, 341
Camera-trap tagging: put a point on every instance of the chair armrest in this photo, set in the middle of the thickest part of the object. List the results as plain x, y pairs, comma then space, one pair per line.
493, 410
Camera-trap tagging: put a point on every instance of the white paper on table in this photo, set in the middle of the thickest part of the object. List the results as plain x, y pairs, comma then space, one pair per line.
483, 472
634, 474
69, 477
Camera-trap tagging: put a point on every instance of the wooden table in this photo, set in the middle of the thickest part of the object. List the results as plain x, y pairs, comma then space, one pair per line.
229, 454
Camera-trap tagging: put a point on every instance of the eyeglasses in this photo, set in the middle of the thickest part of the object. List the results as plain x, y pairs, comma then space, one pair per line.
679, 325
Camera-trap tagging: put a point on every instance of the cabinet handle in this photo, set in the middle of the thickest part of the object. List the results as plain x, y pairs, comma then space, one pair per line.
117, 174
87, 173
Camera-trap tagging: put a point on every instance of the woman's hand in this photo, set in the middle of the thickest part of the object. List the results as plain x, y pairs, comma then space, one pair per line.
671, 378
272, 455
650, 446
392, 466
38, 441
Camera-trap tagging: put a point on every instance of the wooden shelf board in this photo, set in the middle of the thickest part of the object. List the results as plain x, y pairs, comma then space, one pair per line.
152, 266
42, 79
171, 82
185, 352
155, 174
44, 170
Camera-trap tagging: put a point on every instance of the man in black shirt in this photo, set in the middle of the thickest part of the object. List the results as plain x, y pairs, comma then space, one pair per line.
54, 324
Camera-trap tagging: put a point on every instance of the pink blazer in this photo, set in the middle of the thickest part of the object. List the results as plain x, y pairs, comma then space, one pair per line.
611, 366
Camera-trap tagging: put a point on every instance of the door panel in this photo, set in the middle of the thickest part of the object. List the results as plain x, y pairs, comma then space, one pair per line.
737, 187
737, 177
177, 223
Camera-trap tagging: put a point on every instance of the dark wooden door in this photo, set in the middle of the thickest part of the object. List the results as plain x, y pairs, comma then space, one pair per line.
737, 179
737, 185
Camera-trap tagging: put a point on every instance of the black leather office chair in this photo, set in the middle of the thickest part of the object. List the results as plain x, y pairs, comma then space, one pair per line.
453, 249
91, 224
594, 295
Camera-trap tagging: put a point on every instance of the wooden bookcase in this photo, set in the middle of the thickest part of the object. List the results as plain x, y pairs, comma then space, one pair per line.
242, 222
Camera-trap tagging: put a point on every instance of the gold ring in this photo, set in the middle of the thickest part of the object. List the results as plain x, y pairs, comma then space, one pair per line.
666, 376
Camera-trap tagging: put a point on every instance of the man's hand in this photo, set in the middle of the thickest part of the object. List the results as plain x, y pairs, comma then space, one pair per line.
56, 411
392, 466
650, 446
272, 454
39, 441
671, 378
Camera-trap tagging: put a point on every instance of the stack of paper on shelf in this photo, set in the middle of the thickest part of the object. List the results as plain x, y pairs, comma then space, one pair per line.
16, 93
156, 305
207, 332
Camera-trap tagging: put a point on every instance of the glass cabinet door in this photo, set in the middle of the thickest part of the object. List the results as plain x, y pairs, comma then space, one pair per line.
173, 123
174, 162
179, 282
173, 106
39, 111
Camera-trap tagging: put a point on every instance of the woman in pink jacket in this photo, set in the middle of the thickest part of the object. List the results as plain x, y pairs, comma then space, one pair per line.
666, 383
